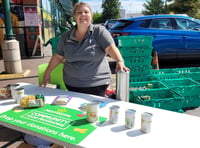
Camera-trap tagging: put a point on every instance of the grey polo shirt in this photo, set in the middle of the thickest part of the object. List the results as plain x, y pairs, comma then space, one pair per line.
86, 64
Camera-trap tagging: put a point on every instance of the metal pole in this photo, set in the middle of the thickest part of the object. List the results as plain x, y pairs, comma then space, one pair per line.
8, 24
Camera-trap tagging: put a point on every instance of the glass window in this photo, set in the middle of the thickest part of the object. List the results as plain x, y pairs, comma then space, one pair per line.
145, 23
120, 24
164, 23
184, 24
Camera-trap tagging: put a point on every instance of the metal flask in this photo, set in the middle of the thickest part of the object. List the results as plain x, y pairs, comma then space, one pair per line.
122, 85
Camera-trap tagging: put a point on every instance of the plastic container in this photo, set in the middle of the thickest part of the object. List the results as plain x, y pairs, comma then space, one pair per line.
146, 85
168, 76
135, 51
191, 95
138, 61
141, 78
163, 71
187, 70
182, 82
193, 75
163, 98
140, 70
135, 41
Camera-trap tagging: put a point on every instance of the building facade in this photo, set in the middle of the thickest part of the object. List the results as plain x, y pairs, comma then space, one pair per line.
34, 22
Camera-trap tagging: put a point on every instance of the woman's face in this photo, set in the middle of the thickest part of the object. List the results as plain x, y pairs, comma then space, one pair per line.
83, 16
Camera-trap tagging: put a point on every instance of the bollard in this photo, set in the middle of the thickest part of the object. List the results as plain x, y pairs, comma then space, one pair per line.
11, 56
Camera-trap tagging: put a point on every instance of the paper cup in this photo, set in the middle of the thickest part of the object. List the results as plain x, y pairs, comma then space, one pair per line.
12, 88
146, 119
92, 112
114, 113
19, 94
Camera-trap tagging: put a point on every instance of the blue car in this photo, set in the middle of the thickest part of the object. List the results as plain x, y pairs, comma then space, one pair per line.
175, 37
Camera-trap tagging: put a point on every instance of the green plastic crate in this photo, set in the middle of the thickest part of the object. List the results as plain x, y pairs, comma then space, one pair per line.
168, 76
146, 85
163, 98
187, 70
135, 41
191, 95
138, 61
140, 70
193, 75
182, 82
135, 51
141, 78
163, 71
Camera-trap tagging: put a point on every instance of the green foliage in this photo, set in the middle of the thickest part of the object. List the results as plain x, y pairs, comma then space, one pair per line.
111, 9
189, 7
154, 7
97, 18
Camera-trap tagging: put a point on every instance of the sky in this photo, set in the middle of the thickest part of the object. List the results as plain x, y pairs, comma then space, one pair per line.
131, 6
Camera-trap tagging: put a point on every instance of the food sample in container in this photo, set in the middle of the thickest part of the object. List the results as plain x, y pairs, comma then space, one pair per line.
5, 92
61, 100
32, 101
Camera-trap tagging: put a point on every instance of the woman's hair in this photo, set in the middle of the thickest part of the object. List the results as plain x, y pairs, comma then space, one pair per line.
80, 4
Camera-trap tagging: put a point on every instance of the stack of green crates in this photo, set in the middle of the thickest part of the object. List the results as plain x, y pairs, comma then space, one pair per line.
171, 89
186, 87
190, 72
163, 71
158, 98
144, 87
184, 81
137, 54
155, 94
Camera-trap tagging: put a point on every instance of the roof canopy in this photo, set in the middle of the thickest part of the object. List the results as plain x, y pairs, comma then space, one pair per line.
67, 6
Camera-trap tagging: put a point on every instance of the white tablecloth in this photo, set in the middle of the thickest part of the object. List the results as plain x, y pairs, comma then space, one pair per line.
169, 129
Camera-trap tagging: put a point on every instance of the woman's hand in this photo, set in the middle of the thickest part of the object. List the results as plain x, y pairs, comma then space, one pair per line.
114, 53
46, 79
55, 60
120, 66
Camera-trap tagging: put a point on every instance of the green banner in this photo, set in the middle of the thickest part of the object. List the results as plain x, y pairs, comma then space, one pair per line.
58, 122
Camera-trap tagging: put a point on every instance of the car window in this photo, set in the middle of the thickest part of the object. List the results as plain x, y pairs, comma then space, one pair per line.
161, 23
145, 23
109, 23
120, 24
184, 24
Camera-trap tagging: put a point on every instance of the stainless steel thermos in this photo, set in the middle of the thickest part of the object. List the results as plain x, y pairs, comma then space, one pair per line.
122, 86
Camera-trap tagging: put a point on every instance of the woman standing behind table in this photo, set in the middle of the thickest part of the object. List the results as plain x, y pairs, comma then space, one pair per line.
84, 48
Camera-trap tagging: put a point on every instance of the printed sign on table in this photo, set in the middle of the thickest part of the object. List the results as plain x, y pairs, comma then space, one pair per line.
58, 122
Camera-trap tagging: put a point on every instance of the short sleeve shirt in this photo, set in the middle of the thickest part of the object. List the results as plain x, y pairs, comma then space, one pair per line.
86, 64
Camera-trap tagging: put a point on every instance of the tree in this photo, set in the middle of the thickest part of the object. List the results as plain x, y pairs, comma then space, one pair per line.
97, 17
189, 7
111, 9
155, 7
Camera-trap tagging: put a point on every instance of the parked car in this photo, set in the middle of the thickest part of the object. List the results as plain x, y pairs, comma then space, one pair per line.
109, 23
174, 36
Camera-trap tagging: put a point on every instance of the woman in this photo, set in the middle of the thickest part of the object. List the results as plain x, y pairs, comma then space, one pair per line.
85, 48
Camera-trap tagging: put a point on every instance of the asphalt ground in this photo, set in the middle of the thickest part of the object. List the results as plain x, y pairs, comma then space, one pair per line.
8, 135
